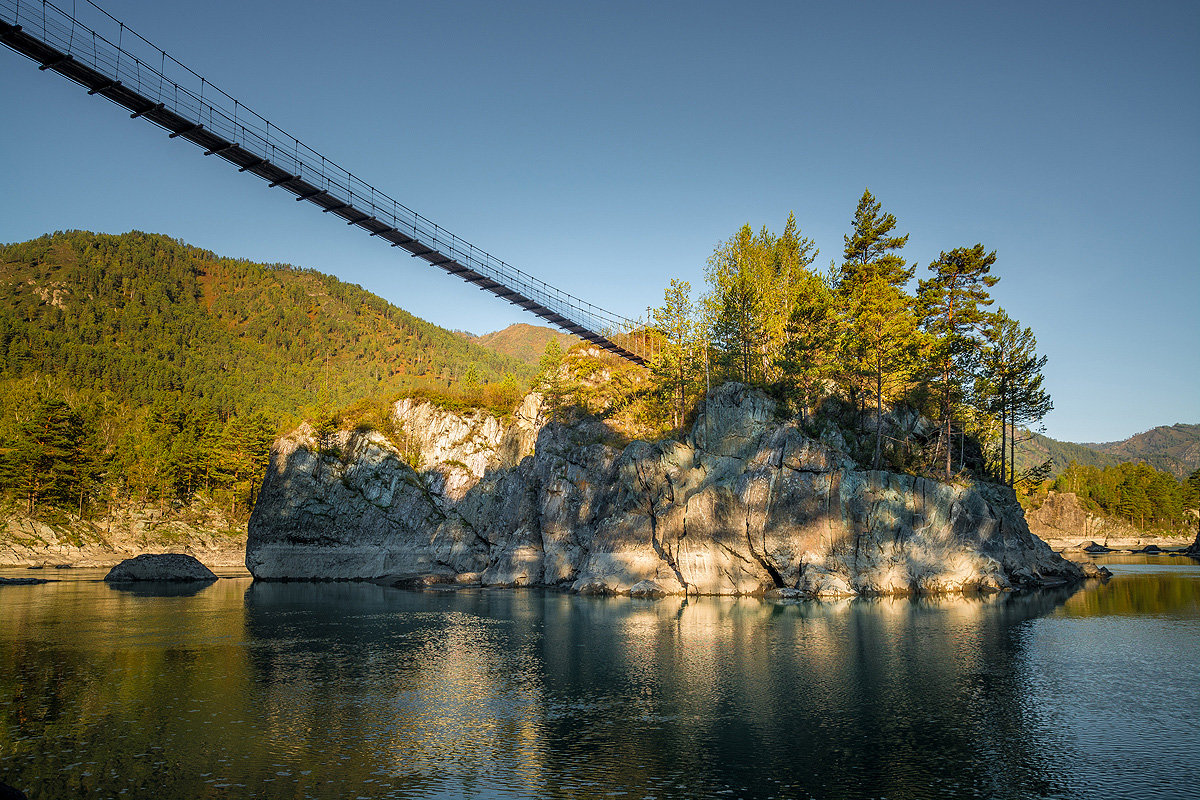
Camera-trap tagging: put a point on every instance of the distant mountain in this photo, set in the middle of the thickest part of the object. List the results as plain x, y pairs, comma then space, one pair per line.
523, 342
1170, 448
1041, 448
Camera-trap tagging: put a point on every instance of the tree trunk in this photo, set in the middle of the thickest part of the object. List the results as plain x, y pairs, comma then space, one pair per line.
1003, 438
946, 411
878, 418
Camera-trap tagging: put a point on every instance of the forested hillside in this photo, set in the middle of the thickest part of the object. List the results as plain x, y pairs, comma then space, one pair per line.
1168, 448
523, 341
1171, 448
136, 366
1135, 492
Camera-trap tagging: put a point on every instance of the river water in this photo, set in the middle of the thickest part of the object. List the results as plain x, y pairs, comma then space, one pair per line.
351, 690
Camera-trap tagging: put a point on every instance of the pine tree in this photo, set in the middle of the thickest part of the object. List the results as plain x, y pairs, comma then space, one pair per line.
809, 354
885, 327
870, 259
674, 366
46, 462
1009, 384
870, 251
952, 304
736, 303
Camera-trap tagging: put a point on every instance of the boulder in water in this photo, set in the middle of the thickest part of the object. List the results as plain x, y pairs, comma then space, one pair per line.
160, 567
21, 582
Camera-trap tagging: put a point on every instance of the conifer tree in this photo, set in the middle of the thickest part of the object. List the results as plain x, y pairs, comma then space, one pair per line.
674, 366
870, 250
809, 355
736, 303
870, 259
1009, 383
952, 304
886, 331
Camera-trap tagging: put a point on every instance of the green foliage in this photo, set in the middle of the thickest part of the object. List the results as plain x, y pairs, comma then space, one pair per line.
857, 336
951, 304
1171, 448
754, 281
870, 253
160, 372
1136, 492
1009, 386
674, 366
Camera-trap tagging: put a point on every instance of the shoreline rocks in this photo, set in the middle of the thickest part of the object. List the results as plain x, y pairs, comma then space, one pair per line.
1063, 523
69, 542
747, 504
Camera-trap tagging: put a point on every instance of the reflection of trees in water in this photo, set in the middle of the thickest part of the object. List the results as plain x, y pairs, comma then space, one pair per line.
430, 688
102, 690
863, 697
1172, 593
517, 692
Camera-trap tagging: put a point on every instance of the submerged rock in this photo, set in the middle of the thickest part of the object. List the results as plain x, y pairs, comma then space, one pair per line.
160, 567
745, 505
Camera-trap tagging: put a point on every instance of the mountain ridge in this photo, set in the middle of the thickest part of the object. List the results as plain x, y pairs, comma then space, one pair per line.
1170, 448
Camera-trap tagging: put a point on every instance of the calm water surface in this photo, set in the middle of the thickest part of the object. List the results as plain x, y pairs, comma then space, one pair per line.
348, 690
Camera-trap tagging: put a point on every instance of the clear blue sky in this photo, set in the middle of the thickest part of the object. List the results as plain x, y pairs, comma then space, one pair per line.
608, 147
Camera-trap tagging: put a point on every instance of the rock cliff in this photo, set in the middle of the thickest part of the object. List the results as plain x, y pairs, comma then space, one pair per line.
1063, 523
746, 504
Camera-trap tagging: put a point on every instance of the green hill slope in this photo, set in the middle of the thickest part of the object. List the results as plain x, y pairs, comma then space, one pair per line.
140, 314
169, 367
1170, 448
524, 342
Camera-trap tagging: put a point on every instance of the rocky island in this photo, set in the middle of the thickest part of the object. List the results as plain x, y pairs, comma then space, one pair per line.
745, 504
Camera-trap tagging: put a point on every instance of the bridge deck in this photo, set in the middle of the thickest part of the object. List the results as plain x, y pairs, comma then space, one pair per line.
252, 145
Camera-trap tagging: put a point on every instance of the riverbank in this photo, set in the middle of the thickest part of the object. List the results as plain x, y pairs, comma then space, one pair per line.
1062, 522
66, 541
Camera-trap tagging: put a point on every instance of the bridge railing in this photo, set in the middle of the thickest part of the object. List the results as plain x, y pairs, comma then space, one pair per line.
91, 36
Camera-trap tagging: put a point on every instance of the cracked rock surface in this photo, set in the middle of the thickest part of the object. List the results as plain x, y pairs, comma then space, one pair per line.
746, 504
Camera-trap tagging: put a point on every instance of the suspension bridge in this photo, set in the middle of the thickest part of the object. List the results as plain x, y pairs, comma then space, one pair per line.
92, 48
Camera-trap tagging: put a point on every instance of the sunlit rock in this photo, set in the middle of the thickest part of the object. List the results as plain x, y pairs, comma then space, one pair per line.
745, 505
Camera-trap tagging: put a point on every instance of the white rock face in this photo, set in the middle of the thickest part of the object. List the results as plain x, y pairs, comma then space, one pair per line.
746, 505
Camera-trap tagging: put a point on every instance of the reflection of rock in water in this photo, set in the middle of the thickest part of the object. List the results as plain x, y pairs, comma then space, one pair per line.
852, 698
162, 588
428, 684
856, 697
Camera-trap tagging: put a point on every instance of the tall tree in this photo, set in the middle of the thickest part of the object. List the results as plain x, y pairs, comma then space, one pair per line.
871, 251
789, 276
870, 259
674, 366
47, 460
735, 303
1010, 382
952, 304
885, 328
810, 349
